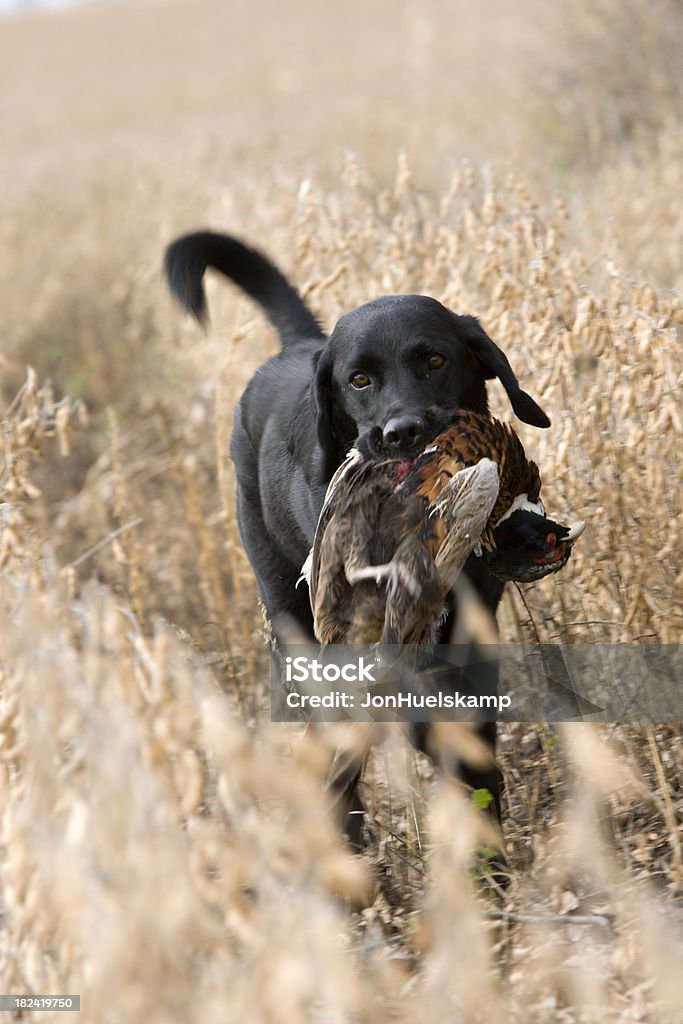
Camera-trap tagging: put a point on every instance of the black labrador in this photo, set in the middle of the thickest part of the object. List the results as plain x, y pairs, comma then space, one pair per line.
386, 380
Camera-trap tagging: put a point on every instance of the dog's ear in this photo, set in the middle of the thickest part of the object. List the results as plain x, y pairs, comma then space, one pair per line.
494, 364
323, 407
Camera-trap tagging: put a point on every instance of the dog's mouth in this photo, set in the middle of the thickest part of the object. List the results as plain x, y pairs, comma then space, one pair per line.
370, 443
402, 469
402, 463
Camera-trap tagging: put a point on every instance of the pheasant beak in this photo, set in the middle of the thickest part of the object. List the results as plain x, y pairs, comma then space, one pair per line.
575, 531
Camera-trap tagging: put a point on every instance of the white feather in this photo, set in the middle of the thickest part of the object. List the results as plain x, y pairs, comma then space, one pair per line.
306, 570
522, 502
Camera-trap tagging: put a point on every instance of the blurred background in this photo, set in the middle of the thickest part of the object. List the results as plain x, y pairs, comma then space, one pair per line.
158, 840
125, 122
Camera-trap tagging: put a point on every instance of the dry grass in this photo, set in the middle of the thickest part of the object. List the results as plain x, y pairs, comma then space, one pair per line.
161, 844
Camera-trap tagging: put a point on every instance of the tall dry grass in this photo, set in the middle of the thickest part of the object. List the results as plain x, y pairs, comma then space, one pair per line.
156, 849
165, 850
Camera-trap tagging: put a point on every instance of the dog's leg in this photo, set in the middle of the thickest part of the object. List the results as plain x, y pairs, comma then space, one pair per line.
275, 576
349, 809
486, 777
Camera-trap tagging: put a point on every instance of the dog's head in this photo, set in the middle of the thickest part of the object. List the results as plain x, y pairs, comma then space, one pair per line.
393, 372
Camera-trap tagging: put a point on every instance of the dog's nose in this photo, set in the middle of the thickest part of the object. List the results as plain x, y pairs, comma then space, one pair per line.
403, 433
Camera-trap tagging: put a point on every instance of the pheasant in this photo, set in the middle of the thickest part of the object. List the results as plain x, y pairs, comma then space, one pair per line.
519, 542
393, 536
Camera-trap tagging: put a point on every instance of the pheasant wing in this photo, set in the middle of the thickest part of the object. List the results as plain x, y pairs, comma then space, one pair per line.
462, 510
340, 484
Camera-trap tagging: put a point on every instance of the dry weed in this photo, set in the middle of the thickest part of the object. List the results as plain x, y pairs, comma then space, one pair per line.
163, 849
148, 811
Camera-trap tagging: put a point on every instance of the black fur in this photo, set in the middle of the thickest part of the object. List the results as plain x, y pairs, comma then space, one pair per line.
188, 257
300, 413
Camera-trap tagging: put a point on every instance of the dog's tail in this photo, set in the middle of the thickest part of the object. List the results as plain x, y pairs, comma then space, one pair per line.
188, 257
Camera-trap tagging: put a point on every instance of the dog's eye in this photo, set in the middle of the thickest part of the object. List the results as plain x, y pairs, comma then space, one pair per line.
360, 380
435, 361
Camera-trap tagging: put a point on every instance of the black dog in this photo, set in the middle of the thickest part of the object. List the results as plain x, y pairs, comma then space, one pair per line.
386, 380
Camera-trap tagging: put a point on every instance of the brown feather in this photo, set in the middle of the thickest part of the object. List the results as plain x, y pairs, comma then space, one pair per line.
417, 522
470, 438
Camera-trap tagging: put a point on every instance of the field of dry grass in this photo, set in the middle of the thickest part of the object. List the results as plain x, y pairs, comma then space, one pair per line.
164, 849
